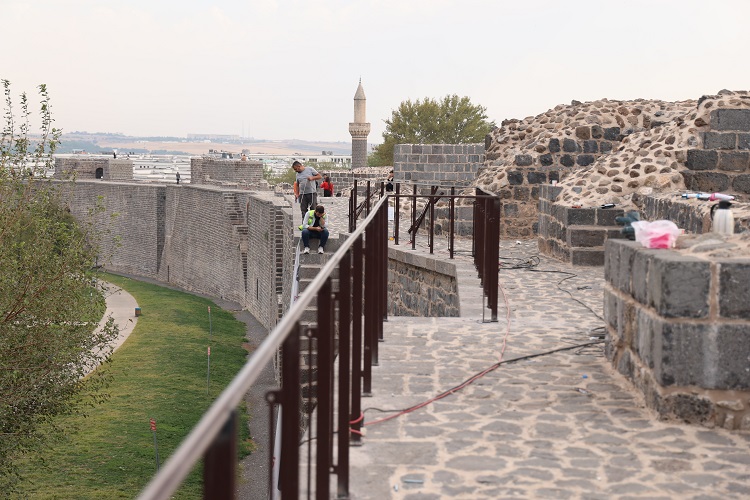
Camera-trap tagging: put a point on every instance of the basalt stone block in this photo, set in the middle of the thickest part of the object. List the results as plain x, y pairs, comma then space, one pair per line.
741, 183
583, 132
554, 145
605, 147
730, 119
642, 261
691, 408
597, 132
510, 210
580, 257
580, 237
567, 160
706, 181
743, 141
679, 286
734, 161
606, 216
555, 176
683, 354
584, 160
524, 160
590, 146
521, 194
734, 289
719, 140
733, 347
487, 141
546, 160
536, 177
699, 159
515, 177
579, 216
623, 276
570, 146
612, 133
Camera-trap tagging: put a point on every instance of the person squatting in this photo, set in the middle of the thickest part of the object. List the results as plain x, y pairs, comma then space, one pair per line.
313, 226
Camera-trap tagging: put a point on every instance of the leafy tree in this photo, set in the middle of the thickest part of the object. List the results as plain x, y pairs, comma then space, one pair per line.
49, 309
451, 120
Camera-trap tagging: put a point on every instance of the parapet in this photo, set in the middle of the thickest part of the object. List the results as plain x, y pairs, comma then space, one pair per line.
108, 169
226, 172
678, 326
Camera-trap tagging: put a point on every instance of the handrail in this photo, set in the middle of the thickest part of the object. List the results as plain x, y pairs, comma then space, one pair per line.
192, 448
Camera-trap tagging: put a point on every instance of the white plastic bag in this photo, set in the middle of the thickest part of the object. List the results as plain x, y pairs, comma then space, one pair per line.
656, 234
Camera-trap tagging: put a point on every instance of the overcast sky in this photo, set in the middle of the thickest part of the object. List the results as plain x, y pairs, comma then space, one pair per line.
282, 69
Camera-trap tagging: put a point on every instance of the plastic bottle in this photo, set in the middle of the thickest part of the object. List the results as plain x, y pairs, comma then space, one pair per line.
722, 218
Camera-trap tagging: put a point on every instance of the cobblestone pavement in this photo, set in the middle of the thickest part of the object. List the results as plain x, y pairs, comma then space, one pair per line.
558, 425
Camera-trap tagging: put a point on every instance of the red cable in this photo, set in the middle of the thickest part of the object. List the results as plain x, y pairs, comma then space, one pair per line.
467, 382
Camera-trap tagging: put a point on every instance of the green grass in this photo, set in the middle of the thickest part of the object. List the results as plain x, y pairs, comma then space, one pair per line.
160, 373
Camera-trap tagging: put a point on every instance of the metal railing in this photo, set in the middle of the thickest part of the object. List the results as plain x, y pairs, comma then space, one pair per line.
336, 397
485, 232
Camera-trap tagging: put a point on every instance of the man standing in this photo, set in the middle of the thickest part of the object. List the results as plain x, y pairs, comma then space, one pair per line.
305, 189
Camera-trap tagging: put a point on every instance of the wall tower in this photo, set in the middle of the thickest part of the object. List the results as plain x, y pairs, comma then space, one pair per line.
359, 129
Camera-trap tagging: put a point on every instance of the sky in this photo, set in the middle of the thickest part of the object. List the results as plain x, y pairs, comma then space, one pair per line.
288, 69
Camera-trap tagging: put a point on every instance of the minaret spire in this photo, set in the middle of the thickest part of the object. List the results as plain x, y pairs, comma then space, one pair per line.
359, 128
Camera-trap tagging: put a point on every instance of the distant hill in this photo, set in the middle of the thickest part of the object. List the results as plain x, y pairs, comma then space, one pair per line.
106, 142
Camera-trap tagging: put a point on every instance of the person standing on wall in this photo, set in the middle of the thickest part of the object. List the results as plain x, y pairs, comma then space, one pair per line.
305, 188
327, 187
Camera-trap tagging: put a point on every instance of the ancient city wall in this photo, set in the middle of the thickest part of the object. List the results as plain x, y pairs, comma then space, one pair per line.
233, 244
421, 286
679, 329
437, 164
85, 168
215, 171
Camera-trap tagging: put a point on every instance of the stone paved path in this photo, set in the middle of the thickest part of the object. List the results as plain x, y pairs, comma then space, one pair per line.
560, 425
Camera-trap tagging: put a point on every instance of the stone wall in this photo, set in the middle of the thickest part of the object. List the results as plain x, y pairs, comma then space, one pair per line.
437, 164
86, 168
679, 329
575, 235
723, 164
551, 161
215, 171
421, 286
228, 243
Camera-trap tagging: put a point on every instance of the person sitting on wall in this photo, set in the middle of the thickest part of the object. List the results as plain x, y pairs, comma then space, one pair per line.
313, 226
327, 187
389, 182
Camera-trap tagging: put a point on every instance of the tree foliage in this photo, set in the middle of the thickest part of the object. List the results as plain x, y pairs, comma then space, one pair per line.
451, 120
49, 309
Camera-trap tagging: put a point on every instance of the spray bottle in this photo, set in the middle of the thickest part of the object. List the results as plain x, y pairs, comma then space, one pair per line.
722, 218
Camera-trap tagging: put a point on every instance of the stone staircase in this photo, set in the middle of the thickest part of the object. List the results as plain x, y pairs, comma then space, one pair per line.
236, 217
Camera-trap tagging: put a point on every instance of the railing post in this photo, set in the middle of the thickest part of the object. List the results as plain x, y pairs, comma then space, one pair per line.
383, 238
220, 467
414, 217
492, 254
290, 404
324, 431
357, 357
367, 199
345, 373
452, 220
396, 215
353, 209
432, 218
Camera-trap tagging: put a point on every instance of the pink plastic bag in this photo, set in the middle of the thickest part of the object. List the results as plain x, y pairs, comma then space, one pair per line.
656, 234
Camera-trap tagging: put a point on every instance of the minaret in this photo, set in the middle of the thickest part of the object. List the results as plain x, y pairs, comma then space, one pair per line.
359, 129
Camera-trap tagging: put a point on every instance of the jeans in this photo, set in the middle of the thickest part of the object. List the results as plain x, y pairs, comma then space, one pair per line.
321, 235
307, 202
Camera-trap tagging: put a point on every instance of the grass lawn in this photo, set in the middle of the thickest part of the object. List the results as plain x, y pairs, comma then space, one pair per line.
160, 373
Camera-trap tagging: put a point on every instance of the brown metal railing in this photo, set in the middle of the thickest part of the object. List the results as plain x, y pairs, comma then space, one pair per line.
336, 397
485, 232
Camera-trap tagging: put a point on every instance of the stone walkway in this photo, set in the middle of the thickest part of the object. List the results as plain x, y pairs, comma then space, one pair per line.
556, 425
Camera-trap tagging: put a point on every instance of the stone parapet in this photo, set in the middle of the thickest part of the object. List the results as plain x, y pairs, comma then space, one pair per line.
679, 329
437, 164
221, 172
421, 286
575, 235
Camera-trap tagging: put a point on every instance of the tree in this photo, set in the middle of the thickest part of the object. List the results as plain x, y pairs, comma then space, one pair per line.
452, 120
49, 309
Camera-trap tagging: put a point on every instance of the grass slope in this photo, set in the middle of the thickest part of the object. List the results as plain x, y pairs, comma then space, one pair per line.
160, 373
